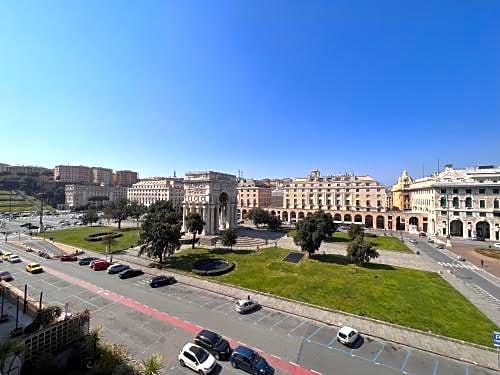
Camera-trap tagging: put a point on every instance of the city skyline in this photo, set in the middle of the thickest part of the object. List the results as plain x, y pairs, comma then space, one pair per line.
268, 89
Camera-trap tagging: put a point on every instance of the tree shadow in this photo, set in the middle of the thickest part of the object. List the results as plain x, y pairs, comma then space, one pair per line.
378, 266
337, 239
222, 251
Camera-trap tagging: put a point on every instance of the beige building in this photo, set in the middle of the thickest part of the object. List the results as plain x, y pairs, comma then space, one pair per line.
150, 190
460, 202
78, 195
25, 169
76, 174
125, 178
102, 176
401, 193
253, 193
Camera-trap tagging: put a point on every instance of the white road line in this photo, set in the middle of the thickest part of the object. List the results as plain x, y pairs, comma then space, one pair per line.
300, 325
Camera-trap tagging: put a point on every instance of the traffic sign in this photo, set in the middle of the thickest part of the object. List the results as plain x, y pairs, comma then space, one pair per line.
496, 338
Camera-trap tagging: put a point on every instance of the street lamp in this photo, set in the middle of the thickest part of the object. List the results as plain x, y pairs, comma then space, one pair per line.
448, 235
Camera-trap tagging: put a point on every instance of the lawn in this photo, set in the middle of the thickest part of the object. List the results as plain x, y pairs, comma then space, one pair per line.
495, 254
418, 299
76, 237
17, 202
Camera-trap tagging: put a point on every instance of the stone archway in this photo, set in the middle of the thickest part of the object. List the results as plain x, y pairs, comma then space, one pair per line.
243, 214
400, 224
358, 219
293, 216
301, 215
273, 213
380, 222
284, 216
456, 228
369, 221
347, 218
337, 217
483, 230
309, 214
223, 211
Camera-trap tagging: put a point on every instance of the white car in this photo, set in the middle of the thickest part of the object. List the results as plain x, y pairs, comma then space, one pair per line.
347, 335
197, 359
245, 305
497, 245
413, 241
14, 259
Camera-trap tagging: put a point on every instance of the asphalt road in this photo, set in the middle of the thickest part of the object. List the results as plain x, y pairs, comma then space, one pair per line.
164, 319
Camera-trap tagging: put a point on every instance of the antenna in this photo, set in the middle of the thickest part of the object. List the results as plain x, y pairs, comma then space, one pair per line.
438, 165
423, 170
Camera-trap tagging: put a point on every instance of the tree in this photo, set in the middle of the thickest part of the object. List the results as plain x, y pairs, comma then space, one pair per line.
273, 222
354, 231
360, 252
10, 349
325, 223
258, 216
90, 217
109, 240
152, 365
309, 235
229, 237
194, 224
161, 231
117, 210
136, 210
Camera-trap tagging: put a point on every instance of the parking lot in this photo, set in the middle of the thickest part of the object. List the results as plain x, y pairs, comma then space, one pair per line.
144, 335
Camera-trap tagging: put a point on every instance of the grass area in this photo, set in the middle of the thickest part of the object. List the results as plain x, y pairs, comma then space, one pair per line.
418, 299
380, 242
17, 202
76, 237
495, 254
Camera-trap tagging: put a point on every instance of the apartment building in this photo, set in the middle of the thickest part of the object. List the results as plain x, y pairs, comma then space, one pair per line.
125, 178
78, 195
150, 190
253, 193
102, 176
25, 169
76, 174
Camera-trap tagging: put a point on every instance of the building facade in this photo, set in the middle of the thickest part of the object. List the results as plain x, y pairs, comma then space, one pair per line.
150, 190
253, 193
76, 174
460, 202
213, 195
78, 195
401, 199
125, 178
102, 176
25, 169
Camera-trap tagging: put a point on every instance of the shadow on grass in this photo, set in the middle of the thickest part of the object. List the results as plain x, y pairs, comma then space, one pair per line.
222, 251
337, 239
343, 260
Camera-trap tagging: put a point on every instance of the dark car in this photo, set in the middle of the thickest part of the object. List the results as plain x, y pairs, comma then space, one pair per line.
214, 344
130, 273
161, 280
86, 261
68, 258
250, 361
6, 276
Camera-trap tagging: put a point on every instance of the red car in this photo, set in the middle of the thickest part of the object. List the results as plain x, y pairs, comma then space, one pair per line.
69, 258
99, 265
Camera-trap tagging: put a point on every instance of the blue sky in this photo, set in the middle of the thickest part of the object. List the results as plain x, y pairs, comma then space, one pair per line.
274, 88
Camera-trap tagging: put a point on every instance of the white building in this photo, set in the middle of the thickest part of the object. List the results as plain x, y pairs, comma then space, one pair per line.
102, 176
150, 190
460, 202
78, 195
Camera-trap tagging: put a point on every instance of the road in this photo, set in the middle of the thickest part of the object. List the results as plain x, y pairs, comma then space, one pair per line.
164, 319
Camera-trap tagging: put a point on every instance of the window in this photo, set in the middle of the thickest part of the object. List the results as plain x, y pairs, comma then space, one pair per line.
468, 202
456, 202
443, 202
367, 203
482, 191
468, 213
357, 203
482, 214
456, 213
496, 204
495, 191
443, 212
455, 191
443, 191
468, 191
482, 203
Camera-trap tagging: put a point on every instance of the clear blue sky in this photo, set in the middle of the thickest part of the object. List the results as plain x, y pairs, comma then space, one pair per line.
274, 88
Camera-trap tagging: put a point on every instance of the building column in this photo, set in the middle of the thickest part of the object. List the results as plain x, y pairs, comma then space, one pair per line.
465, 229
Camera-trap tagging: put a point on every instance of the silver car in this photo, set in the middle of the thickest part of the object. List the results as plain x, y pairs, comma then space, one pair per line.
245, 305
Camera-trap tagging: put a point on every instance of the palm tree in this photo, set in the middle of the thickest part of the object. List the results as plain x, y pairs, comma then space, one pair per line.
152, 365
91, 344
109, 240
10, 349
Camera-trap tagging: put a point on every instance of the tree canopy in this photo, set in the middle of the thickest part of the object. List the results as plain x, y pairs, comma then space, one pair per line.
136, 210
90, 217
117, 210
194, 225
258, 216
354, 231
229, 237
313, 230
361, 252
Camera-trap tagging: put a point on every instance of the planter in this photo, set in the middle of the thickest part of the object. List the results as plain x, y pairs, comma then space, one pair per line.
212, 267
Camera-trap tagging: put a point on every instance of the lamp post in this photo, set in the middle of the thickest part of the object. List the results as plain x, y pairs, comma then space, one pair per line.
448, 236
41, 212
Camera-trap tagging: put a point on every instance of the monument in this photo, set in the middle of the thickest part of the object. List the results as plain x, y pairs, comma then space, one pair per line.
212, 195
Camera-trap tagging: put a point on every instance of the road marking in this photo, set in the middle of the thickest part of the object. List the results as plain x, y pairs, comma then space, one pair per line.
331, 342
224, 304
173, 320
378, 354
312, 334
405, 362
434, 372
279, 321
300, 325
265, 316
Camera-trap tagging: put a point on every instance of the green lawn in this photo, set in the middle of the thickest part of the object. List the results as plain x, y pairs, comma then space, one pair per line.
380, 242
76, 237
412, 298
17, 202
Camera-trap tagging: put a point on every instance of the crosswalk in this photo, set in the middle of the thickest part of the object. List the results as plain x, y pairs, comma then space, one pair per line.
459, 265
483, 293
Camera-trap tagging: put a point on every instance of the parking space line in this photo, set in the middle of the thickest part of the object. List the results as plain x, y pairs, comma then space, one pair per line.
405, 362
467, 370
331, 342
300, 325
278, 322
434, 372
265, 316
308, 338
224, 304
378, 354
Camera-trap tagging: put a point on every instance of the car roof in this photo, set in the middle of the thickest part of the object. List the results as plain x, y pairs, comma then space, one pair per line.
33, 264
243, 350
212, 336
346, 330
243, 301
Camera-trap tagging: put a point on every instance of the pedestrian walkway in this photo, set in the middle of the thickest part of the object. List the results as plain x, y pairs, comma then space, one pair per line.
459, 265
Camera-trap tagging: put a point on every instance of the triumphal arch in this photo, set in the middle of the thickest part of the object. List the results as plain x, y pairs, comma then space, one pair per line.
213, 195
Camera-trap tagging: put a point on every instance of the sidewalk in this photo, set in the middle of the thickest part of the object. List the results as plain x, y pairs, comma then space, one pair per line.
426, 341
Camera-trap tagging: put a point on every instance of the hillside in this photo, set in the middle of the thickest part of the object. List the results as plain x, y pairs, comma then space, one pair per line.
20, 202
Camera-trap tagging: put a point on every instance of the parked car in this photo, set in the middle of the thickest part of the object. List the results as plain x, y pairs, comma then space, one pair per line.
430, 240
197, 359
461, 258
6, 255
6, 276
250, 361
413, 240
214, 344
422, 234
48, 226
34, 268
347, 335
117, 268
86, 261
69, 258
246, 305
497, 245
478, 238
99, 265
14, 258
440, 246
161, 280
127, 274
